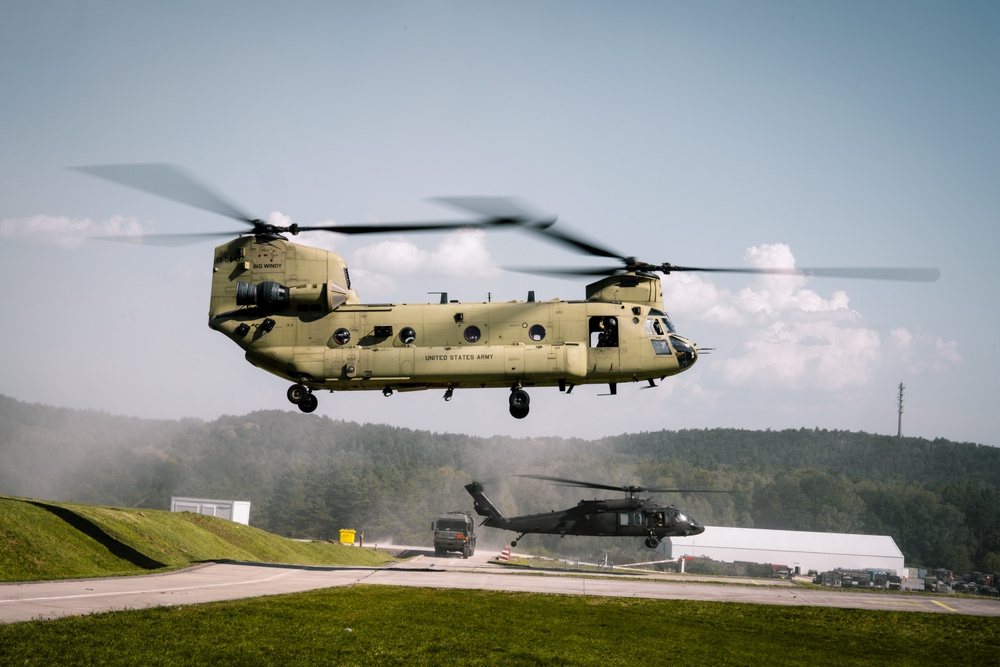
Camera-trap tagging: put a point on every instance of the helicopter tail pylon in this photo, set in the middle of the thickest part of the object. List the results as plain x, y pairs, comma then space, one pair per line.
485, 507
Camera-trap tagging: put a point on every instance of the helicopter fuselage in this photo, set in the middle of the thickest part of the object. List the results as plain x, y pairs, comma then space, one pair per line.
292, 309
620, 517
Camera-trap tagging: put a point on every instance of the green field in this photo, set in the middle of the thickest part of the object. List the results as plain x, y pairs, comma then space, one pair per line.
47, 540
380, 625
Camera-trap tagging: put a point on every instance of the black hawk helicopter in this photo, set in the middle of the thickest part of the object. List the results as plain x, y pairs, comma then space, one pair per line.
618, 517
292, 310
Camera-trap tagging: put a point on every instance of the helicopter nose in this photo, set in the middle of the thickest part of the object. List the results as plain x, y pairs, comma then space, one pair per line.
687, 353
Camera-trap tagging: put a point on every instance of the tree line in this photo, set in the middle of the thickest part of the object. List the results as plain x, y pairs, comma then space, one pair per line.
308, 476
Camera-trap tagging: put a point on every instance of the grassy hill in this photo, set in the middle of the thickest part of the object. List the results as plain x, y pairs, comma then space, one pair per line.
48, 540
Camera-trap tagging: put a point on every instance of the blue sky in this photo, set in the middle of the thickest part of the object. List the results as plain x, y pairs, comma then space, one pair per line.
705, 134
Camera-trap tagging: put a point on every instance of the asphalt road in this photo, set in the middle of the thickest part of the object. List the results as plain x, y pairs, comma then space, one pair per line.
227, 581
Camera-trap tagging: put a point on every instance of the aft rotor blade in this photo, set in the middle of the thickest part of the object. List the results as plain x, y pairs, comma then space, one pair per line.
391, 227
169, 182
168, 240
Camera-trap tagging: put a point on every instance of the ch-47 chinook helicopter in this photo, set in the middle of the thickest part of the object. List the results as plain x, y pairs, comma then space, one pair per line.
619, 517
293, 311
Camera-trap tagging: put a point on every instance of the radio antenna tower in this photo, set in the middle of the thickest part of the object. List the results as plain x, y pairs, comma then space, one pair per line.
899, 408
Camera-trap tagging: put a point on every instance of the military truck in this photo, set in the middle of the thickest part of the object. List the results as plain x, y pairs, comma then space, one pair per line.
454, 531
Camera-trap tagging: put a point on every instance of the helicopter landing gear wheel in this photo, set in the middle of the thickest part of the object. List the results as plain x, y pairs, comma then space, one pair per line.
296, 393
308, 403
652, 542
519, 403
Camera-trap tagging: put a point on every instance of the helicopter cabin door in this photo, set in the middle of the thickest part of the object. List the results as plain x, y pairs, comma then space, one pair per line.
604, 354
632, 522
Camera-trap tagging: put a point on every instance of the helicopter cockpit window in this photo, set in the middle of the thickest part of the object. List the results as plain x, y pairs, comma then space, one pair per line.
655, 314
473, 334
536, 332
341, 336
604, 332
660, 346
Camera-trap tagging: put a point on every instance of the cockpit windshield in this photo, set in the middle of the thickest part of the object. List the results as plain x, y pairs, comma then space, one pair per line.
658, 323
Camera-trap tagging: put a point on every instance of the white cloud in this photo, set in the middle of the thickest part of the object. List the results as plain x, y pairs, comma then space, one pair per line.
460, 253
778, 333
922, 353
69, 232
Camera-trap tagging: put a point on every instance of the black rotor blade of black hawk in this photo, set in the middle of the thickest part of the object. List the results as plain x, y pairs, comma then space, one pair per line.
609, 487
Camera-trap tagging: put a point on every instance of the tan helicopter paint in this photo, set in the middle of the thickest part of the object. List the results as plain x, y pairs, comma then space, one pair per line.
520, 343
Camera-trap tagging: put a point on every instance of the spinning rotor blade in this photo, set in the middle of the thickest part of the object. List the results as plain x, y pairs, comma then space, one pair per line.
169, 182
608, 487
915, 275
630, 264
867, 273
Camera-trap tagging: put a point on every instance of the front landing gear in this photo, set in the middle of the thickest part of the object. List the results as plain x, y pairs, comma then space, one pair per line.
652, 542
519, 401
300, 395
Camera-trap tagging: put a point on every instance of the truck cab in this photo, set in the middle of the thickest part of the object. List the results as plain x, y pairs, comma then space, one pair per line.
454, 531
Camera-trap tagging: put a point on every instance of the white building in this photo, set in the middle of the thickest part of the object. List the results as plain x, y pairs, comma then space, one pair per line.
233, 510
796, 549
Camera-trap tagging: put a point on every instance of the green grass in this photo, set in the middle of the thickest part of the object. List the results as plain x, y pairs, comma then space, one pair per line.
379, 625
47, 540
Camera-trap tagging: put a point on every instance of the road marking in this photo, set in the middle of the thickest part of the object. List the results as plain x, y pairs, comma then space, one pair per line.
942, 604
144, 591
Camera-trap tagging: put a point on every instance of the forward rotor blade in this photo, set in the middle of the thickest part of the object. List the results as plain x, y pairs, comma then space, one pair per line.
500, 210
578, 243
920, 275
916, 275
597, 271
169, 182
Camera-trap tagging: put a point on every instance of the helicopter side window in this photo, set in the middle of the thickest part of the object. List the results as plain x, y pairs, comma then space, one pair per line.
660, 346
341, 336
638, 519
473, 334
658, 520
604, 332
536, 332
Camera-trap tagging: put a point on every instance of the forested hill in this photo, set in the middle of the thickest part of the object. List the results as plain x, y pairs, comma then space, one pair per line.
309, 476
858, 455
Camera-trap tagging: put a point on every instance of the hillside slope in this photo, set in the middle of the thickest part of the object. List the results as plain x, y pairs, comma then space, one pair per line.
47, 540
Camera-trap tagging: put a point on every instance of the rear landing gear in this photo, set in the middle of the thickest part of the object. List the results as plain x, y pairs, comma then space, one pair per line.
519, 401
300, 395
